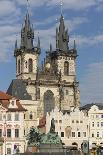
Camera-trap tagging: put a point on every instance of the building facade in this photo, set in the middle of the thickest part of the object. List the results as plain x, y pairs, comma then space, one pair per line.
95, 115
53, 84
78, 125
71, 126
12, 124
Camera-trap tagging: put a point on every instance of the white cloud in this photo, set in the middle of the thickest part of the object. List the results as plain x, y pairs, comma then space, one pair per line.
91, 85
7, 7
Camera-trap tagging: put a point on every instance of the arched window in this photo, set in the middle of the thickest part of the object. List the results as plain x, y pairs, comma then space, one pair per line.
30, 65
49, 101
19, 66
66, 68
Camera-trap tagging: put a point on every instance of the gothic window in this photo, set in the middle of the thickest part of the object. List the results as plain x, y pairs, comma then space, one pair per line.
66, 68
38, 93
30, 65
49, 101
18, 66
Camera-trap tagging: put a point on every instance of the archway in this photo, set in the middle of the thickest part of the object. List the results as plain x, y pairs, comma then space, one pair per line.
49, 101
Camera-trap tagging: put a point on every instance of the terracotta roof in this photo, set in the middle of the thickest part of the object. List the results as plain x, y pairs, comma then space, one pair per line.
5, 101
42, 122
4, 96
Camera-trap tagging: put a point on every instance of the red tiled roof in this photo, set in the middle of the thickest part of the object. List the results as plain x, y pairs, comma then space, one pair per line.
42, 122
5, 101
4, 96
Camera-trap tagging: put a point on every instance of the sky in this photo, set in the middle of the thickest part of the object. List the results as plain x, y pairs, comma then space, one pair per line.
84, 20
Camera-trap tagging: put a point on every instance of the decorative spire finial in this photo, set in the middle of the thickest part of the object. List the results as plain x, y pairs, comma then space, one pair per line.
27, 5
61, 4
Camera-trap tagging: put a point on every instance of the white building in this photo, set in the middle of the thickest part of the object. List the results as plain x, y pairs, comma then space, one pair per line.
72, 126
95, 115
11, 124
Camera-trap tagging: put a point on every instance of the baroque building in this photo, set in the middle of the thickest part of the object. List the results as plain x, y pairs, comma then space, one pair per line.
53, 84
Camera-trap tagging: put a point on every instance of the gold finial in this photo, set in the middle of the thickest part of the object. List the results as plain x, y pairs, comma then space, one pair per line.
61, 4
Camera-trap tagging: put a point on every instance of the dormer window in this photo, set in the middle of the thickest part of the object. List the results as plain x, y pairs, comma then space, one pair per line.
12, 103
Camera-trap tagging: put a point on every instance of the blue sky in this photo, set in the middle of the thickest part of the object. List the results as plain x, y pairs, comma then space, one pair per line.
84, 19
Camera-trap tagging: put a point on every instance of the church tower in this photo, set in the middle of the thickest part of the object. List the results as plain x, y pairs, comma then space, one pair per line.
27, 55
63, 62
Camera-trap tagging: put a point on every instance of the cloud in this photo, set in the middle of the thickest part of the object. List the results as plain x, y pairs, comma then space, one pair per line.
91, 85
87, 40
7, 8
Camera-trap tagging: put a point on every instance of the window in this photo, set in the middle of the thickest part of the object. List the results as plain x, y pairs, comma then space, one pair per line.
101, 116
66, 68
9, 151
62, 134
0, 132
101, 124
93, 134
16, 117
16, 133
9, 117
72, 121
92, 124
18, 66
81, 121
60, 121
30, 67
56, 121
97, 134
73, 134
77, 121
0, 117
38, 93
8, 132
78, 134
31, 115
66, 92
24, 116
84, 134
97, 124
97, 116
24, 132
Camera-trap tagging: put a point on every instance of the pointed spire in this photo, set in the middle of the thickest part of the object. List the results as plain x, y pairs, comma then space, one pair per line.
27, 34
50, 48
74, 45
16, 45
38, 42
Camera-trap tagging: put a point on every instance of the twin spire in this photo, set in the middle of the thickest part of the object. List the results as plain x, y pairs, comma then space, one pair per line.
27, 35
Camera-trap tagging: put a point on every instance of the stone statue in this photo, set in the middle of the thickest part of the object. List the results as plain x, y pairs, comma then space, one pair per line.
52, 128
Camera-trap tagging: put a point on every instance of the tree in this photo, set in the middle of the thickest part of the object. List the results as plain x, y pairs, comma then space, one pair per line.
34, 137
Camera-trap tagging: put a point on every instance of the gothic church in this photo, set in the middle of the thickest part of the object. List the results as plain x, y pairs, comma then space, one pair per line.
53, 84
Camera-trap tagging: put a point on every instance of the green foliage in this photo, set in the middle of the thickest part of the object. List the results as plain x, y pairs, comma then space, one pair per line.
34, 137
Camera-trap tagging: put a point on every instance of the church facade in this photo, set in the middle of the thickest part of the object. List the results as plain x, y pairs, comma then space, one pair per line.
41, 89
